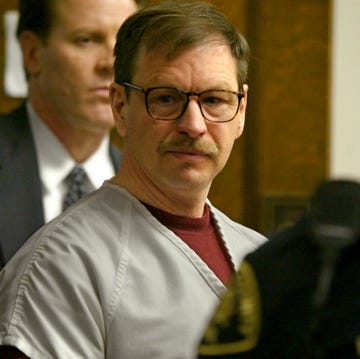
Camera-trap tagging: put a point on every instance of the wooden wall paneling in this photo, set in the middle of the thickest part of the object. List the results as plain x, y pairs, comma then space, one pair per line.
288, 104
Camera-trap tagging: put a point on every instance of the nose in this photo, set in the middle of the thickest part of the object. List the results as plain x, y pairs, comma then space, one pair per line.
192, 122
105, 59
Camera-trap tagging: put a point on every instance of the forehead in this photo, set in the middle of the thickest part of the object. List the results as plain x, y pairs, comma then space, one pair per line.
91, 12
197, 67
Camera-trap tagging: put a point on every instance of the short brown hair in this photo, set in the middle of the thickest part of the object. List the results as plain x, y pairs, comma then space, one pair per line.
173, 26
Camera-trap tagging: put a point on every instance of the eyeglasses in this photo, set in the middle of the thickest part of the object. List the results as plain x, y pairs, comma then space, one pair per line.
169, 103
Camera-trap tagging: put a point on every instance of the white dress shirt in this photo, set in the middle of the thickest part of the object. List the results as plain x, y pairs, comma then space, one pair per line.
55, 163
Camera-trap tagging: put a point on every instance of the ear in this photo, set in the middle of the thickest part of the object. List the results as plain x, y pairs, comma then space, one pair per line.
31, 45
118, 100
242, 111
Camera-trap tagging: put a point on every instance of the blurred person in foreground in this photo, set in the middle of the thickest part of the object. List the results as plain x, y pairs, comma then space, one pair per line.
64, 124
297, 296
136, 268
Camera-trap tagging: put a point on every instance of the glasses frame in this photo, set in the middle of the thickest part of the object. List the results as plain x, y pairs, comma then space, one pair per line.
146, 92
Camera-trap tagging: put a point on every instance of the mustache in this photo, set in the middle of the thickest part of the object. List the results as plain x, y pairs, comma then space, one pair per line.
187, 143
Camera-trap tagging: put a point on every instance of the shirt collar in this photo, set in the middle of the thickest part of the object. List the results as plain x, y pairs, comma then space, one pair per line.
55, 162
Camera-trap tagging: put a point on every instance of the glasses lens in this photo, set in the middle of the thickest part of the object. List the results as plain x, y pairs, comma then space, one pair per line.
219, 106
165, 103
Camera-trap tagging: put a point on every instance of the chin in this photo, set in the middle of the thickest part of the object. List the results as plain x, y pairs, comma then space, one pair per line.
101, 120
189, 185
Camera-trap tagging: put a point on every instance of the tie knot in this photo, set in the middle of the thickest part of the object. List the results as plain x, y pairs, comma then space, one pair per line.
76, 186
76, 176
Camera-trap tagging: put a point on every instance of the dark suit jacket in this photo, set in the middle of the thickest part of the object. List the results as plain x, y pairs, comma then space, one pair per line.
21, 210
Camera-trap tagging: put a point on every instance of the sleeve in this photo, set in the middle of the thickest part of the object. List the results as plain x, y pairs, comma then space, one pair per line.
51, 307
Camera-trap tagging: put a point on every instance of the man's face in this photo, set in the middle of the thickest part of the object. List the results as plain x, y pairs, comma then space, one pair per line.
74, 67
184, 154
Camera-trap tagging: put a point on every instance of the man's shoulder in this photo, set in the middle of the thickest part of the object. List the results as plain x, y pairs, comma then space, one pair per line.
15, 135
14, 121
107, 207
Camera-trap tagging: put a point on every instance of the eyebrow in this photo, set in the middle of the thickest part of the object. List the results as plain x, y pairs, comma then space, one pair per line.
216, 86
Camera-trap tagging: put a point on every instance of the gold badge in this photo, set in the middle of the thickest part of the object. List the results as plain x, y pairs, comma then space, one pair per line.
236, 325
357, 345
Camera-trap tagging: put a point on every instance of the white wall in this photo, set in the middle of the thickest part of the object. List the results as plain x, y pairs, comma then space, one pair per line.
345, 91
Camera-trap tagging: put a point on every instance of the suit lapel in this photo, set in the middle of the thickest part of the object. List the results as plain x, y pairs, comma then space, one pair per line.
21, 211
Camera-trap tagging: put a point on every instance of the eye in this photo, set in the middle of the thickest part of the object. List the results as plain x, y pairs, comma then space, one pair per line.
213, 98
164, 96
218, 98
84, 39
165, 99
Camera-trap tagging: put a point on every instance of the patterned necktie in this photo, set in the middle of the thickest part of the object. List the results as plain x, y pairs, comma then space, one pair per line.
76, 186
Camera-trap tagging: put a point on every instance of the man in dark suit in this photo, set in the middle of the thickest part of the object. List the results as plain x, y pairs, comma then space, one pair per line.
65, 122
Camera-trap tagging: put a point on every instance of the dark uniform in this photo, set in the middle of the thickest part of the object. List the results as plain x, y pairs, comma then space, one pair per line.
278, 305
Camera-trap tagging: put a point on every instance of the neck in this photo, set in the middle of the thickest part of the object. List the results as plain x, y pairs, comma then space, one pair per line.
187, 203
80, 145
80, 142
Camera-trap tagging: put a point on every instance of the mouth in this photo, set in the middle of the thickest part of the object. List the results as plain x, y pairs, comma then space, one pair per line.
187, 152
187, 156
102, 92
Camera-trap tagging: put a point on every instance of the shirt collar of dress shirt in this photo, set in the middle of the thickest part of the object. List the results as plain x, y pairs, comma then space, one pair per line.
55, 162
